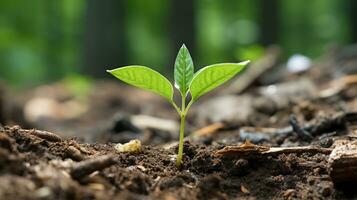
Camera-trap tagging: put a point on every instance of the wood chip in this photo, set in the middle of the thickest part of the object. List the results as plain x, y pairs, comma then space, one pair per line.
244, 189
209, 130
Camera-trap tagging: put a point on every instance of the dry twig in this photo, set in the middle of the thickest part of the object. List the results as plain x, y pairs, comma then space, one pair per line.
87, 167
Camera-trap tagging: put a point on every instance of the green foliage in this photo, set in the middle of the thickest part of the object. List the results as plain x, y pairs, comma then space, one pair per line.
78, 85
249, 52
186, 81
53, 43
213, 76
145, 78
183, 70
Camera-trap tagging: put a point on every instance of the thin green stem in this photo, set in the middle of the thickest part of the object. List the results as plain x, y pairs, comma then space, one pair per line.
183, 103
182, 132
188, 107
176, 107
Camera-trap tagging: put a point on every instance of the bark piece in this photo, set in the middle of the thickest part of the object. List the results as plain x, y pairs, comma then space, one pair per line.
343, 163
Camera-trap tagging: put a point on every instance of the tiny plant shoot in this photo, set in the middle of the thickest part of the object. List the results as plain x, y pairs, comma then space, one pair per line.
186, 81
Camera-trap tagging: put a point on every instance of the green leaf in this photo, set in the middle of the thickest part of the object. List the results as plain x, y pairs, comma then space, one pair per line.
183, 70
145, 78
212, 76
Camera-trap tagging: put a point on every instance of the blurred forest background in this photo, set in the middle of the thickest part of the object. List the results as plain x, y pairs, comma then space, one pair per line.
46, 40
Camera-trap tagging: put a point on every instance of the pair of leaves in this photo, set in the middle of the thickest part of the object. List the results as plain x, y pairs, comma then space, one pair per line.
186, 81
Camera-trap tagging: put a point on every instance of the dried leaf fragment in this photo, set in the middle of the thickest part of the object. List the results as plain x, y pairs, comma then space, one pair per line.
246, 148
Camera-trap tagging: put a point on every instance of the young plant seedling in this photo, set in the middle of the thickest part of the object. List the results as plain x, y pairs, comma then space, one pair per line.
186, 81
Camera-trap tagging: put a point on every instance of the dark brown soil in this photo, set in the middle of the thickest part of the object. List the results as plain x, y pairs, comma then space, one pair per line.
36, 168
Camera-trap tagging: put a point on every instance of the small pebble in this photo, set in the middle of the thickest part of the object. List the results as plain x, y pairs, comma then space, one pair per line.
326, 142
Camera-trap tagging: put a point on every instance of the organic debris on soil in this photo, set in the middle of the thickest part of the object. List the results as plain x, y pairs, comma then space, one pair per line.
37, 168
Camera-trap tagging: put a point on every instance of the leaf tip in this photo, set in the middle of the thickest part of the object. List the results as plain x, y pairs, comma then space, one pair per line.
183, 46
244, 62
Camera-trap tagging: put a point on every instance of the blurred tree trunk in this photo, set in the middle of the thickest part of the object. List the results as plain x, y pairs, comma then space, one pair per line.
352, 14
104, 37
269, 21
182, 27
54, 38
